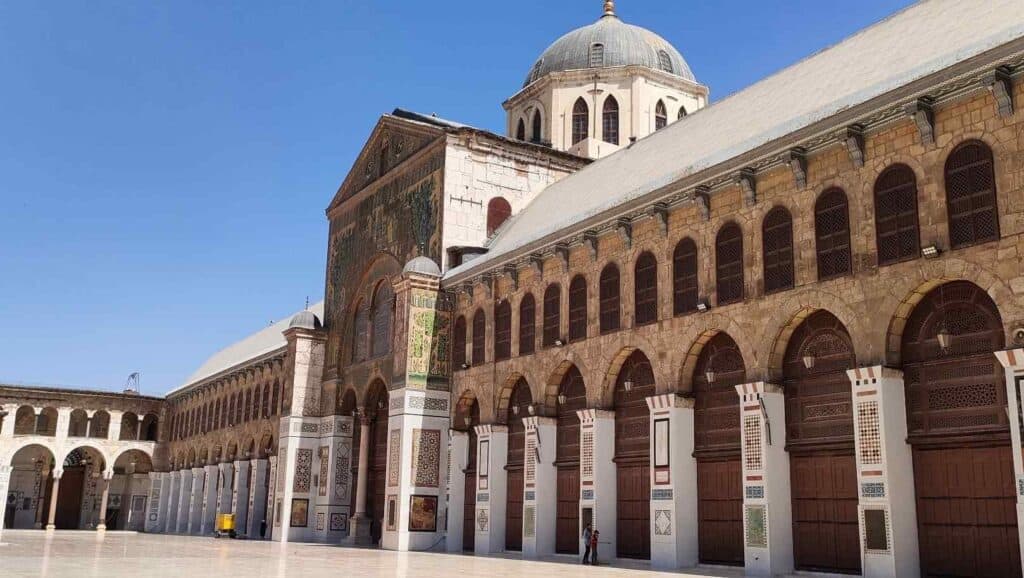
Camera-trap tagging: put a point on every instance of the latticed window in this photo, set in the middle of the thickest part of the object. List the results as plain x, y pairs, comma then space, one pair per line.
361, 333
502, 330
552, 315
266, 400
832, 234
459, 343
660, 116
498, 211
527, 325
596, 55
610, 292
729, 264
383, 309
645, 289
537, 136
665, 61
479, 336
971, 195
578, 308
256, 403
277, 398
239, 406
777, 236
610, 121
684, 277
580, 121
896, 226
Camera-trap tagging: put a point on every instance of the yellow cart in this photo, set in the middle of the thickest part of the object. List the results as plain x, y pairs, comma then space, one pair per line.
225, 526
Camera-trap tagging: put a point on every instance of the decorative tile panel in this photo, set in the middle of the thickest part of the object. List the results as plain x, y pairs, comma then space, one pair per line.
325, 466
661, 494
394, 456
310, 428
483, 497
873, 489
870, 438
339, 522
481, 519
342, 470
752, 460
663, 522
530, 466
756, 527
587, 455
529, 521
303, 470
1020, 486
530, 496
875, 527
320, 519
587, 495
426, 458
755, 492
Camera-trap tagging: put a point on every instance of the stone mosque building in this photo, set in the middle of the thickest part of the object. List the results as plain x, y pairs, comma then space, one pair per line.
783, 331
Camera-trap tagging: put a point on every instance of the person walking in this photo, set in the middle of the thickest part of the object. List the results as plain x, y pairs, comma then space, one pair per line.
586, 544
593, 547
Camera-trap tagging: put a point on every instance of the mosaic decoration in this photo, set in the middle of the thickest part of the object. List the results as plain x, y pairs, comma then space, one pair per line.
530, 467
423, 513
300, 513
342, 470
530, 496
327, 427
310, 428
1020, 487
392, 513
870, 446
154, 503
303, 470
587, 495
426, 458
482, 497
320, 519
481, 519
587, 455
661, 494
427, 403
752, 460
875, 525
339, 522
662, 522
428, 349
757, 527
755, 492
394, 456
345, 427
529, 522
873, 489
325, 465
273, 469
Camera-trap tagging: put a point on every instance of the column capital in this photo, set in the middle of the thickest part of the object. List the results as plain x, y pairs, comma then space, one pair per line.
57, 473
534, 421
1011, 359
490, 428
670, 401
592, 415
861, 376
757, 389
457, 433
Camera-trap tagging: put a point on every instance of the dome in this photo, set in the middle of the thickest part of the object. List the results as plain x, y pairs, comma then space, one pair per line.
423, 266
610, 42
305, 320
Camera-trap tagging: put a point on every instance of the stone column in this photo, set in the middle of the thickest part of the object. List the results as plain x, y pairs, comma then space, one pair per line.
767, 502
195, 502
209, 499
170, 525
5, 480
185, 501
673, 483
459, 441
259, 469
598, 476
101, 526
274, 514
7, 427
240, 496
339, 482
159, 487
225, 494
491, 488
1013, 364
540, 496
359, 524
114, 431
40, 502
52, 517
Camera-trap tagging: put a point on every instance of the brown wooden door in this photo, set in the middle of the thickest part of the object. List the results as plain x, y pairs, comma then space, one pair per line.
69, 498
514, 512
567, 528
966, 512
825, 525
469, 513
378, 459
720, 511
634, 511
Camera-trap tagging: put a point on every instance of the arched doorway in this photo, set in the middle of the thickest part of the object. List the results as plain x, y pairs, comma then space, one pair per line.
129, 490
634, 384
959, 433
80, 489
819, 438
718, 370
469, 419
572, 396
377, 413
28, 494
519, 406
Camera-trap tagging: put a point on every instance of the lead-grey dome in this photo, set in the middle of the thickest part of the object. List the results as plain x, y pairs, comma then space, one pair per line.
620, 44
305, 320
423, 266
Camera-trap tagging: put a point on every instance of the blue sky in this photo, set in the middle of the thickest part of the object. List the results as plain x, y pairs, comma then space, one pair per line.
164, 166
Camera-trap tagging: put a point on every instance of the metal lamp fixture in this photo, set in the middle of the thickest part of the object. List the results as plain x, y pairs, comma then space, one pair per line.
515, 410
702, 305
627, 385
561, 399
559, 343
531, 409
710, 375
809, 360
944, 337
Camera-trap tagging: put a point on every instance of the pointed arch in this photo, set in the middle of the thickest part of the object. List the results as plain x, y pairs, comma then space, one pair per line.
580, 121
660, 115
610, 121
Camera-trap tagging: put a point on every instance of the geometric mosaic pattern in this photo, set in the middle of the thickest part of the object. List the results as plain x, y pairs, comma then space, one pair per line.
873, 489
752, 460
587, 451
303, 470
342, 470
870, 435
529, 521
530, 474
661, 494
587, 495
663, 523
757, 527
426, 458
325, 465
755, 492
394, 456
338, 522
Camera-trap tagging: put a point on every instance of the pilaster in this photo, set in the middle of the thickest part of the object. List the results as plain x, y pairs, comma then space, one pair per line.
673, 483
540, 497
7, 426
259, 471
5, 480
491, 487
598, 476
156, 505
767, 503
333, 498
240, 495
185, 502
195, 503
1012, 361
225, 490
211, 482
458, 455
170, 512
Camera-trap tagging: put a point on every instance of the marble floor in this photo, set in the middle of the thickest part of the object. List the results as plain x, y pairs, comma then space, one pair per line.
81, 554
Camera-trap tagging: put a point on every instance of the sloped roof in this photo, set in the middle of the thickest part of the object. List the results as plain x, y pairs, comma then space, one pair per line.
257, 345
919, 41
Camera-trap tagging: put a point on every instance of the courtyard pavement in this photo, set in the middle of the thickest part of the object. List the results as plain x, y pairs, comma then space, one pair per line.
79, 554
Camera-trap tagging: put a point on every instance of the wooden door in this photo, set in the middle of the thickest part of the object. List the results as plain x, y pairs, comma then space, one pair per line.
469, 513
634, 510
514, 512
825, 525
376, 478
567, 526
69, 498
720, 511
966, 512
